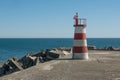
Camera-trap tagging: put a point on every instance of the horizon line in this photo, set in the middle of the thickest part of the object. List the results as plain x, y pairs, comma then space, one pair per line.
53, 37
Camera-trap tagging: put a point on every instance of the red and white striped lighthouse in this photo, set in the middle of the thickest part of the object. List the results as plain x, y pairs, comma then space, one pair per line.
80, 50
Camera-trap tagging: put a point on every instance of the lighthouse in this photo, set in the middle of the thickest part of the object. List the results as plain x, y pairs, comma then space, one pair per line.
80, 49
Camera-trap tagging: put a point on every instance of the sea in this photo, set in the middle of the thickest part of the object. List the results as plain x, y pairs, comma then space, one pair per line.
19, 47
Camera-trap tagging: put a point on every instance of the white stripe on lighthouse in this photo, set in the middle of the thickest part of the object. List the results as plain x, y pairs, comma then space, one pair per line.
80, 30
80, 55
80, 43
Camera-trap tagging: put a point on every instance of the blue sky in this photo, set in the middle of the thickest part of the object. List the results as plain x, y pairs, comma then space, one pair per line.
54, 18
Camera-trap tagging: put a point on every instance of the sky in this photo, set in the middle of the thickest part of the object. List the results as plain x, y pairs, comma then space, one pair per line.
54, 18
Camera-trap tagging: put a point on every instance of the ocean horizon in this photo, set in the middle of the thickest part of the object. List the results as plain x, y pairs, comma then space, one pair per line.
18, 47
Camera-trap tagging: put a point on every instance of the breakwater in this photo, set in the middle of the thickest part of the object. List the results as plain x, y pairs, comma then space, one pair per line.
101, 65
14, 64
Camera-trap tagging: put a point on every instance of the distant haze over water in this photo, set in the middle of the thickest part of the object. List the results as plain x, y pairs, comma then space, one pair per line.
18, 47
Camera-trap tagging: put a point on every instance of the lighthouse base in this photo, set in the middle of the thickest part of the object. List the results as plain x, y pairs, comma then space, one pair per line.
82, 56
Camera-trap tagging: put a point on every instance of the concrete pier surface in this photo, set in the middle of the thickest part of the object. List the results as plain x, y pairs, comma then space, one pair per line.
101, 65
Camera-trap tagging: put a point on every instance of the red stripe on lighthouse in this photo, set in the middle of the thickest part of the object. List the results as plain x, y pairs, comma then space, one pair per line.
82, 49
78, 36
